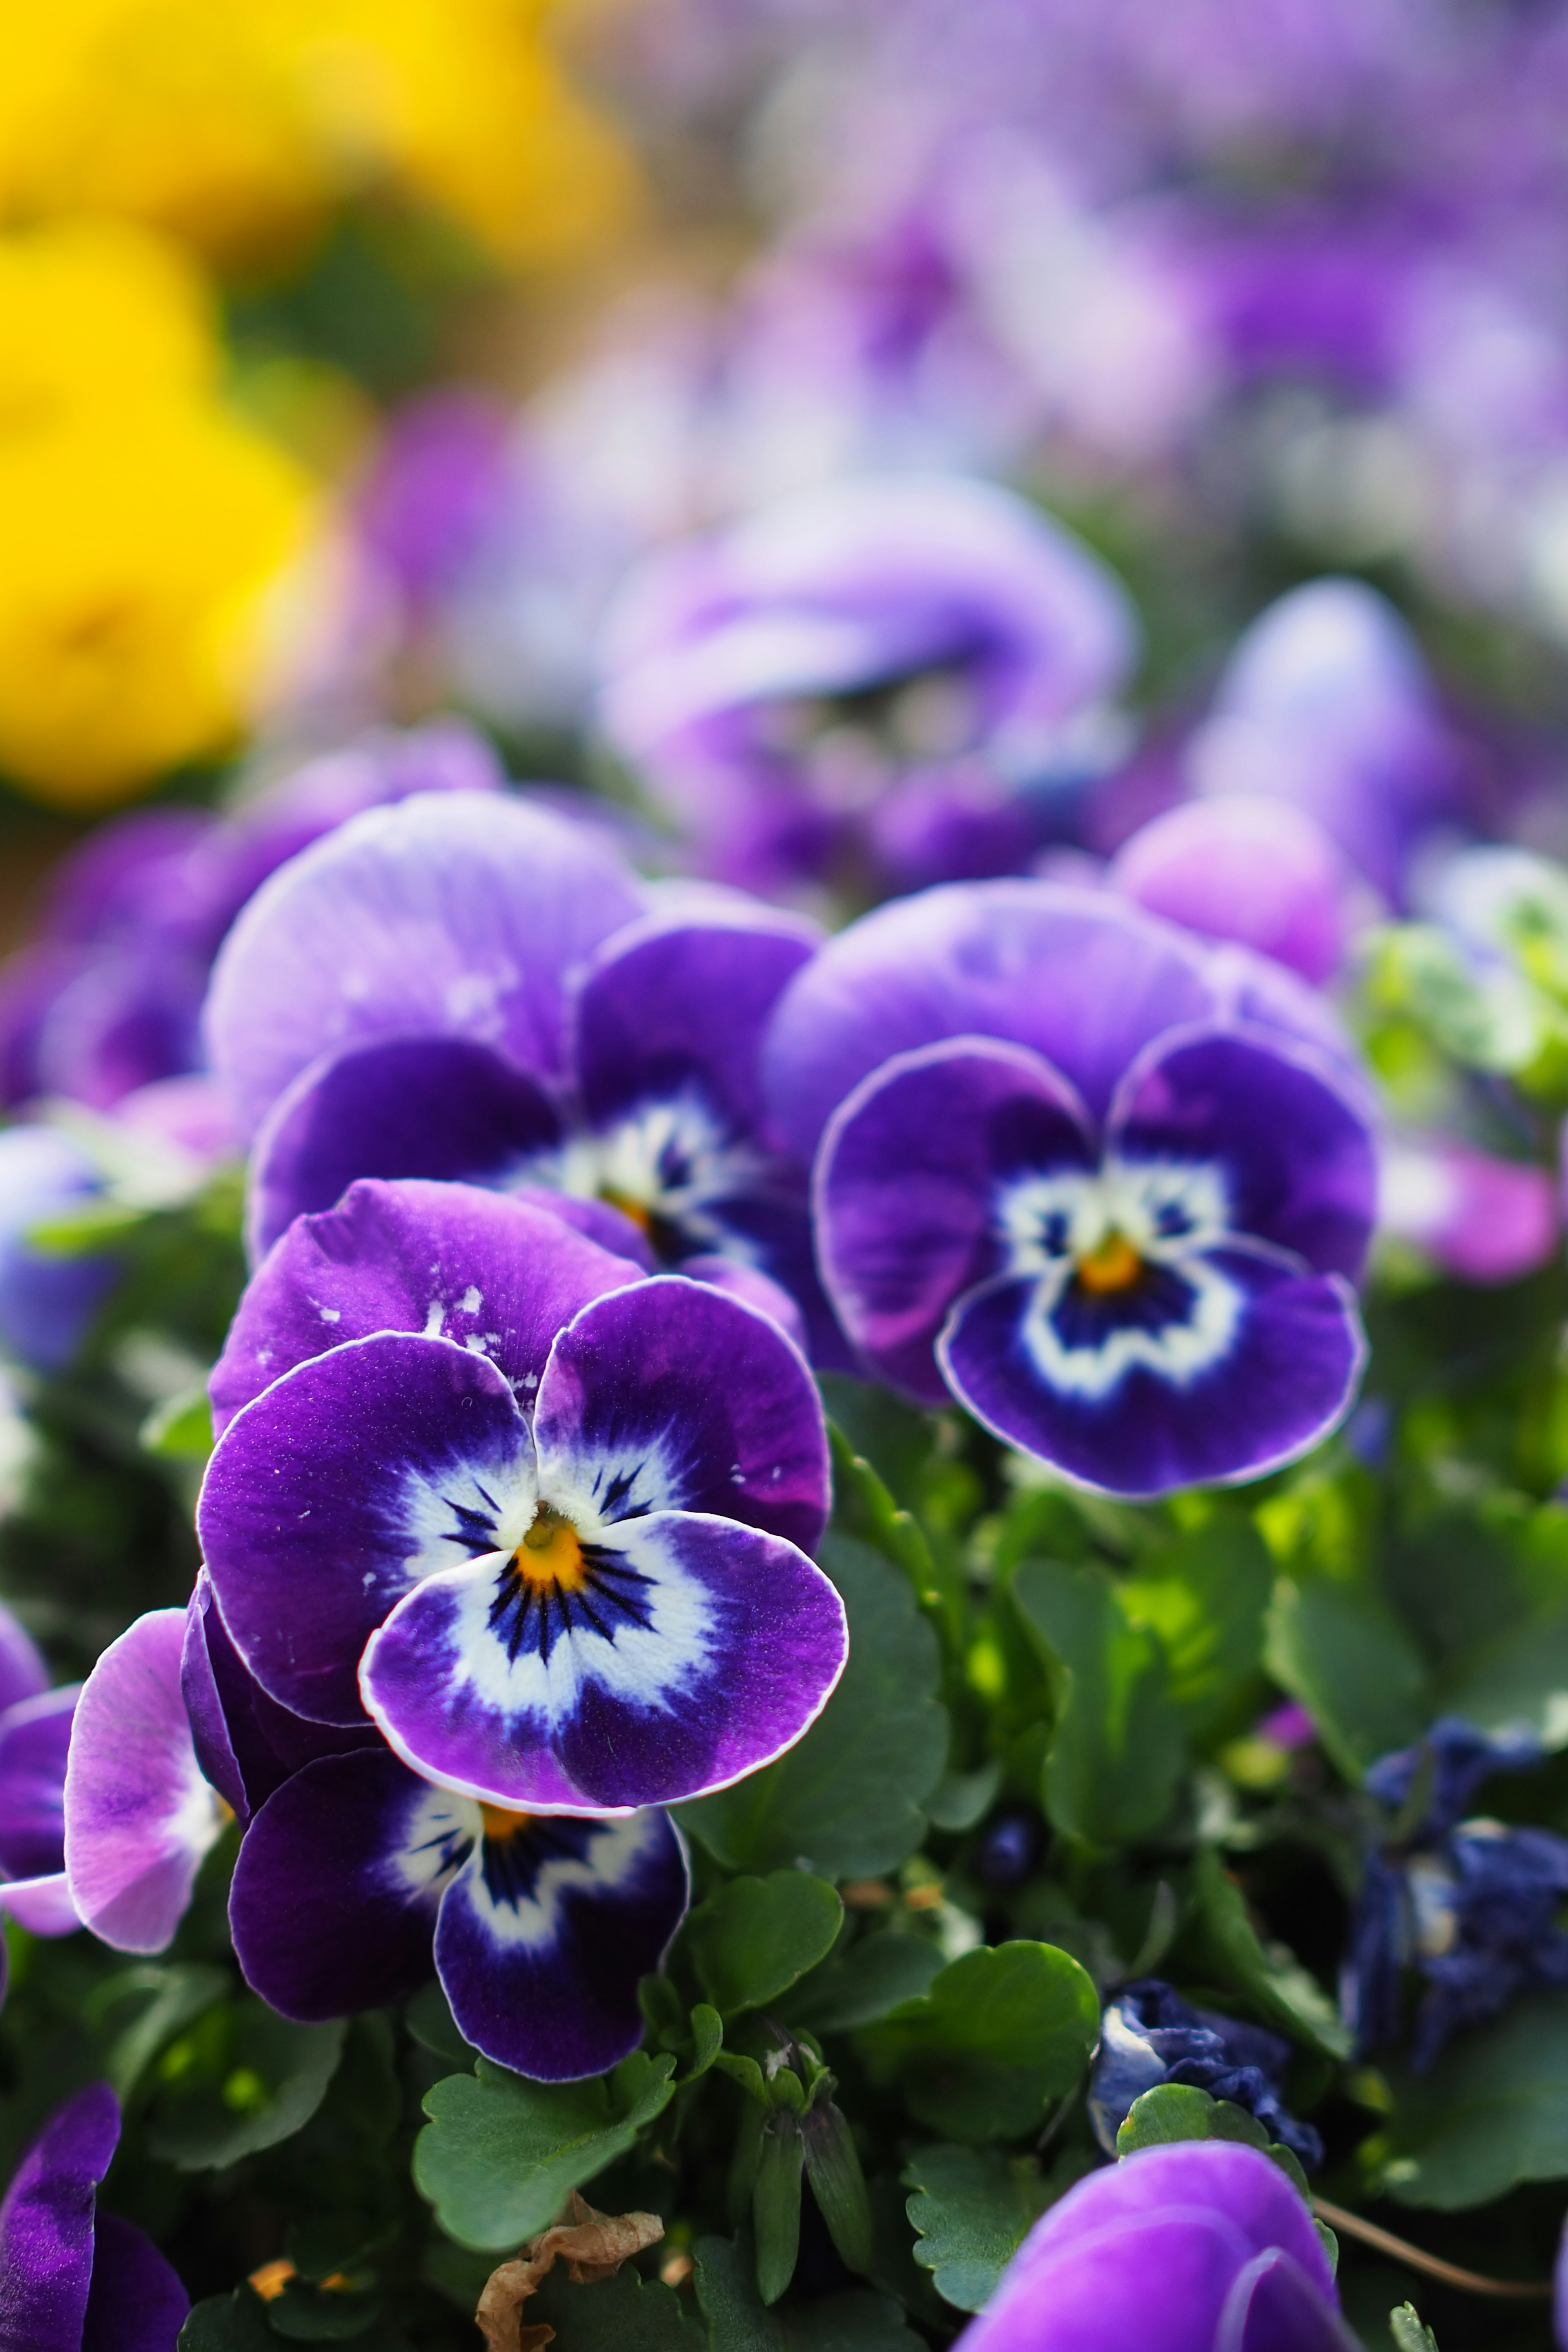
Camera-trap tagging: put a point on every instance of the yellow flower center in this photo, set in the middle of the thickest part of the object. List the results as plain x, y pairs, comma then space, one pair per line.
1114, 1265
550, 1552
500, 1825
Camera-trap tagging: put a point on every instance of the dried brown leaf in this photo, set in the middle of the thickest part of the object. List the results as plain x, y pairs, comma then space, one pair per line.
592, 2247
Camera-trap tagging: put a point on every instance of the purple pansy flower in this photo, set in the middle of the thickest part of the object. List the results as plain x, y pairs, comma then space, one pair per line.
845, 679
465, 991
1204, 2247
1476, 1215
35, 1735
1240, 866
1083, 1176
74, 2278
1150, 2035
547, 1519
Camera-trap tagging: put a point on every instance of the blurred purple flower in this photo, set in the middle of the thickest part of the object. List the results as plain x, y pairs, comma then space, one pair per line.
1484, 1218
75, 2278
1242, 866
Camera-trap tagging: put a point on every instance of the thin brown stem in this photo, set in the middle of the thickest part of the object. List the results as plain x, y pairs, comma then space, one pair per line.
1466, 2282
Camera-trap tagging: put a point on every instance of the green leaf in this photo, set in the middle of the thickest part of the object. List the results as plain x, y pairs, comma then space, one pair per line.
863, 1507
228, 2322
962, 1798
1180, 2111
872, 1978
838, 2183
304, 2314
253, 2083
429, 2020
775, 2204
739, 2321
846, 1801
174, 1997
182, 1428
1271, 1977
1118, 1750
1517, 1683
1490, 2111
1206, 1598
707, 2039
1409, 2335
1001, 2032
500, 2154
757, 1936
1353, 1667
624, 2314
971, 2211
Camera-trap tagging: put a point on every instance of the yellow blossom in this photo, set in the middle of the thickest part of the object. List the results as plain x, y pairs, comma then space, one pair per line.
94, 313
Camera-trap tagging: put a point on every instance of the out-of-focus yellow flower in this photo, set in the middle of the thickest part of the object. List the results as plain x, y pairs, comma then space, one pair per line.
94, 312
236, 124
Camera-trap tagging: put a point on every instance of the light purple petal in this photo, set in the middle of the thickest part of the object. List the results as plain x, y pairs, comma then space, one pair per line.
34, 1739
670, 1396
453, 913
754, 1288
1080, 977
136, 2302
906, 1190
1295, 1154
140, 1818
47, 2225
1273, 2306
1280, 1356
22, 1673
693, 1651
42, 1904
1096, 2295
612, 1229
343, 1484
444, 1108
1477, 1216
1242, 866
448, 1260
545, 1932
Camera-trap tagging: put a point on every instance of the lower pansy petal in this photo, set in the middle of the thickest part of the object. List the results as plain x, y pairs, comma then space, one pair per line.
679, 1654
136, 2302
42, 1904
352, 1477
334, 1897
1215, 1371
906, 1187
671, 1396
448, 1109
139, 1816
35, 1741
546, 1930
47, 2224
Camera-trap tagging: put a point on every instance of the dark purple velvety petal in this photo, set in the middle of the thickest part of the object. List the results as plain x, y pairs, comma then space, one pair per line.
47, 2225
1273, 2306
22, 1673
1081, 978
140, 1817
905, 1183
445, 1107
670, 1396
691, 1651
443, 1260
545, 1931
671, 1004
455, 914
1296, 1157
334, 1901
1157, 2280
1280, 1353
611, 1228
347, 1480
217, 1686
34, 1739
136, 2302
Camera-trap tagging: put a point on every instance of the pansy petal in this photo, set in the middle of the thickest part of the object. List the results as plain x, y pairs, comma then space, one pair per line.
1273, 2306
611, 1228
22, 1673
449, 1261
139, 1816
1096, 2291
47, 2224
245, 1743
444, 1108
754, 1288
1262, 1361
34, 1741
347, 1480
42, 1904
905, 1183
454, 914
693, 1651
136, 2302
1081, 978
670, 1004
333, 1902
1294, 1152
671, 1396
545, 1932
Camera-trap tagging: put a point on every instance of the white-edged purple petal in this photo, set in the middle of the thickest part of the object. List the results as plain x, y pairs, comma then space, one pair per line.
500, 1277
42, 1904
546, 1930
670, 1396
1294, 1153
448, 1109
907, 1186
460, 914
1208, 1370
34, 1741
1082, 977
678, 1655
338, 1489
140, 1818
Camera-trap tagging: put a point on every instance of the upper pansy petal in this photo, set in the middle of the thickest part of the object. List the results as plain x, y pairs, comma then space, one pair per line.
448, 1109
1083, 979
610, 1227
906, 1187
687, 1652
138, 1815
547, 1929
452, 1261
47, 2224
334, 1901
671, 1003
352, 1477
460, 914
34, 1741
1296, 1155
671, 1396
1229, 1364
